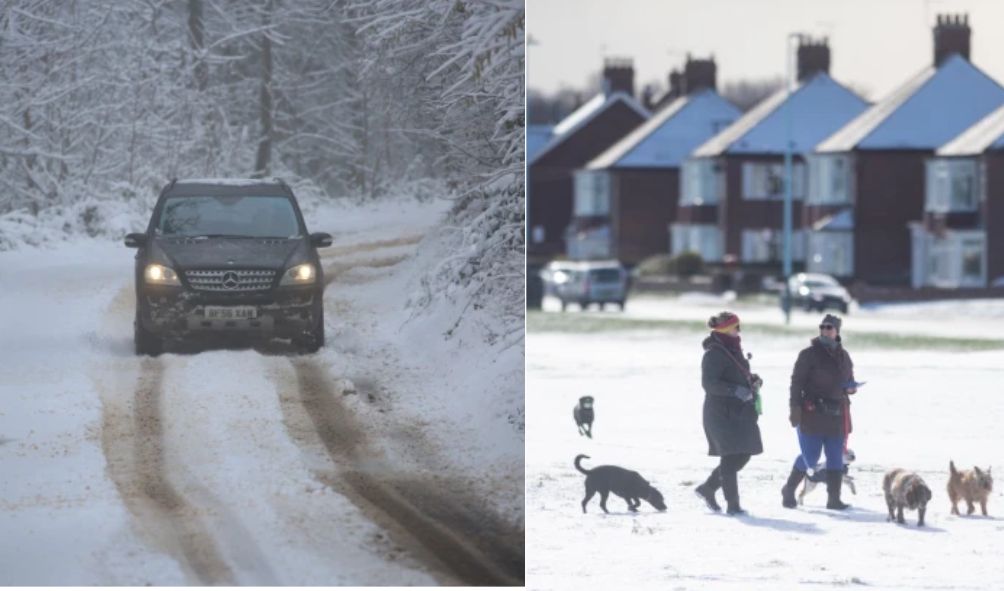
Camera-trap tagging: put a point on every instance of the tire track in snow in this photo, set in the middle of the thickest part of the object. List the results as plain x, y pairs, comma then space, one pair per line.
132, 439
427, 516
338, 251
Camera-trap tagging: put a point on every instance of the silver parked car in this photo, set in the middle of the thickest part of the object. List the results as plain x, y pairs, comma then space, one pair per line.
815, 291
586, 282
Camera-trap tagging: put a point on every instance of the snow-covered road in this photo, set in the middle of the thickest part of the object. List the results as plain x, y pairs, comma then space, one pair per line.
920, 408
365, 464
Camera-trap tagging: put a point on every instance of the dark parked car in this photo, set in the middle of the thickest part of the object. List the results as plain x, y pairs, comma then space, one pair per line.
228, 257
815, 291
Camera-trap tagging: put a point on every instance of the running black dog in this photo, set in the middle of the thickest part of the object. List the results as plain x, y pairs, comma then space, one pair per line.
624, 483
583, 414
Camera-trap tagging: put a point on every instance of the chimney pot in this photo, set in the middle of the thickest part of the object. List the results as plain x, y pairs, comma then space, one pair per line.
618, 75
951, 35
813, 57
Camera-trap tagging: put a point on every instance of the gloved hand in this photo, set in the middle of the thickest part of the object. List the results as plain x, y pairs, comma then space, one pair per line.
795, 417
743, 393
757, 383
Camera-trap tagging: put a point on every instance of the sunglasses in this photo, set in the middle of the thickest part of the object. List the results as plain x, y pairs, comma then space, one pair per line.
826, 326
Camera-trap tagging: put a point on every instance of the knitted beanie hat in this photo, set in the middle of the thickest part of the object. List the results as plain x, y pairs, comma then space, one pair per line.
723, 321
831, 319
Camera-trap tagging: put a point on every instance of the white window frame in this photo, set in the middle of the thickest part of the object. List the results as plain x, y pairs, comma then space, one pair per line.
765, 181
830, 252
944, 177
702, 182
945, 264
704, 239
830, 179
592, 193
758, 243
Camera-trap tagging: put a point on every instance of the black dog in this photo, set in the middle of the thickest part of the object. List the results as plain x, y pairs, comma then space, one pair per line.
583, 413
626, 484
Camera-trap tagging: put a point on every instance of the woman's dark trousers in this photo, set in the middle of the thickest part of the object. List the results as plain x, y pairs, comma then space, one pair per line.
725, 476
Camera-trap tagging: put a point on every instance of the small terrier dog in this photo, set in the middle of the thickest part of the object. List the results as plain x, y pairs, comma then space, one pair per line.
970, 486
624, 483
905, 490
583, 414
819, 475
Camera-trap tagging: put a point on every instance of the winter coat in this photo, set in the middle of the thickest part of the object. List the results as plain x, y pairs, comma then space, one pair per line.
729, 423
820, 373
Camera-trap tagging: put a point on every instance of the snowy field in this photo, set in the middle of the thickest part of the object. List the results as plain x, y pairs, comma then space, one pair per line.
204, 469
922, 406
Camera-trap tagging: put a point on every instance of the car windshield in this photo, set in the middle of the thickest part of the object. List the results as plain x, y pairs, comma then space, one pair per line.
249, 217
820, 283
605, 275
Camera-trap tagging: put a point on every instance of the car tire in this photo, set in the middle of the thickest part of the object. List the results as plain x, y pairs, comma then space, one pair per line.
621, 305
312, 341
564, 305
146, 342
585, 306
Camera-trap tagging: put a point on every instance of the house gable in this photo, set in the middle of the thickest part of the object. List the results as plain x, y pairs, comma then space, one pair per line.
666, 139
818, 106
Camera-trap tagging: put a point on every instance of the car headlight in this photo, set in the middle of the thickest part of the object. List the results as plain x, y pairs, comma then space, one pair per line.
304, 274
160, 275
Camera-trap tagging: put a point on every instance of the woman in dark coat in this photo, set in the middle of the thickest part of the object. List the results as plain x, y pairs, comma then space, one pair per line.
821, 382
730, 414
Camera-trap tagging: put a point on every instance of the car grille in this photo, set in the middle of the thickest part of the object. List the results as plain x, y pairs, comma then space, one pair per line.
231, 280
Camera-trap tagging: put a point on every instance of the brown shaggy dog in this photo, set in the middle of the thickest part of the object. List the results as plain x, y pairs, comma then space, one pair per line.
905, 489
969, 485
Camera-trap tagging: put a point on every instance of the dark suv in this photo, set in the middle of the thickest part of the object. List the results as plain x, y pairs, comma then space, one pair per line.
228, 257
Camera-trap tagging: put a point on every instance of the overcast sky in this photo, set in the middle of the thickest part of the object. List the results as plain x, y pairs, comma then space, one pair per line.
875, 44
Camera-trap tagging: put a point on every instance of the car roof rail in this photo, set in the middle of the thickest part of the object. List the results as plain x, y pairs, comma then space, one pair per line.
283, 184
169, 185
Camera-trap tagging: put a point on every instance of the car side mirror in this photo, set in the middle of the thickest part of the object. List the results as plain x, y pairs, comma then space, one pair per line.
320, 239
135, 240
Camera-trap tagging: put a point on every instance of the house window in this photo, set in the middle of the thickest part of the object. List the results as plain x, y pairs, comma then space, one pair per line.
703, 239
831, 253
766, 245
973, 271
763, 180
592, 193
951, 185
829, 179
702, 182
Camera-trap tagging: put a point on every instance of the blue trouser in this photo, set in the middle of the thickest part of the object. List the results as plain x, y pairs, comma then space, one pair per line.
812, 445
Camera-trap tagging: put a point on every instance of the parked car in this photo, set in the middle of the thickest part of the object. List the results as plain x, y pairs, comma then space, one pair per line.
228, 257
586, 282
815, 291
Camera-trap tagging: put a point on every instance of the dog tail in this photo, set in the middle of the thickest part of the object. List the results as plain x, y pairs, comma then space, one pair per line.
578, 459
951, 468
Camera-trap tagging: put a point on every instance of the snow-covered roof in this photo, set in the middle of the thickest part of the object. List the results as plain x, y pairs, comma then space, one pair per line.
537, 137
987, 133
234, 182
924, 113
842, 220
583, 115
671, 134
818, 107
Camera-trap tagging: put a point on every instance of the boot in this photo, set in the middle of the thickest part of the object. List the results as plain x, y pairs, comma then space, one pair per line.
834, 480
730, 488
788, 490
706, 491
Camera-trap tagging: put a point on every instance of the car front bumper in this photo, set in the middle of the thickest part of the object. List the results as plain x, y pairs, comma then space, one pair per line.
177, 312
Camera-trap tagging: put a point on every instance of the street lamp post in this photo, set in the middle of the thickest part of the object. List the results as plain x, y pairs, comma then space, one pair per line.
786, 232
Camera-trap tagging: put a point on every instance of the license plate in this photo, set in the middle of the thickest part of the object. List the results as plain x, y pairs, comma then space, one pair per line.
230, 312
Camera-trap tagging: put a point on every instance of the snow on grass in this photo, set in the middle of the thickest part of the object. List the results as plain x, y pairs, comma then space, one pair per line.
919, 409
